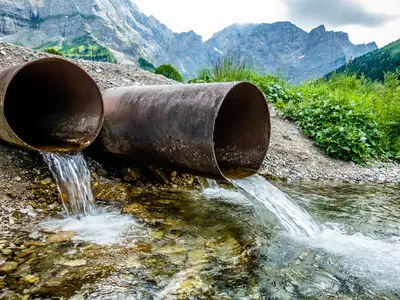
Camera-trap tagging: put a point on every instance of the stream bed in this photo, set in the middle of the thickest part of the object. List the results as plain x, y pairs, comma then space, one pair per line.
213, 244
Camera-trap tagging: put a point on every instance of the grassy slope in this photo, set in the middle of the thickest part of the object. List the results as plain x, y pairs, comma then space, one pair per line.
83, 48
350, 118
373, 65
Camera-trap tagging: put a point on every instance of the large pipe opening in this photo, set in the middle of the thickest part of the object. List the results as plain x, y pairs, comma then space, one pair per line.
53, 105
242, 131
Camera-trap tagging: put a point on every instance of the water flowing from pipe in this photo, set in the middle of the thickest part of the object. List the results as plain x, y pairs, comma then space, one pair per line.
73, 182
273, 206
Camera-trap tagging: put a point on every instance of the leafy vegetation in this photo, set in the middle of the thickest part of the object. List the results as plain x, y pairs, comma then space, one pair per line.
169, 72
53, 51
373, 65
145, 65
349, 117
83, 48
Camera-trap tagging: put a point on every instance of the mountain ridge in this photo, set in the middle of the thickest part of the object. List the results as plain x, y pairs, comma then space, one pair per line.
120, 27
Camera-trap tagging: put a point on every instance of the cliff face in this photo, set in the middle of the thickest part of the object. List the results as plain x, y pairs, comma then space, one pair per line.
284, 47
120, 26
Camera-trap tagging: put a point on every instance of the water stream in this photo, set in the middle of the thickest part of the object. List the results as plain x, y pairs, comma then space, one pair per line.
73, 182
273, 206
311, 244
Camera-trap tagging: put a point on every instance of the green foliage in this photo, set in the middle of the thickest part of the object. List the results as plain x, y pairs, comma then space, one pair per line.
373, 65
83, 48
145, 65
349, 117
53, 51
225, 70
169, 72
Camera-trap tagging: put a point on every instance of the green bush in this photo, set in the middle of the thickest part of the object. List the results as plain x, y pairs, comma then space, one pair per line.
349, 117
145, 65
169, 72
53, 51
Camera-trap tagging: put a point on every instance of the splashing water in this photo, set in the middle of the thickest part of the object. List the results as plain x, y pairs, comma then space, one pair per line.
73, 182
213, 184
273, 205
105, 228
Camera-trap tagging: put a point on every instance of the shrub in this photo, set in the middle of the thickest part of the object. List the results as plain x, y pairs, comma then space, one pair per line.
145, 65
349, 117
169, 72
53, 51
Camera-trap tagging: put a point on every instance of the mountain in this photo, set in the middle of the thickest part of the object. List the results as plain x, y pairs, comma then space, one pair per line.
116, 30
285, 47
374, 64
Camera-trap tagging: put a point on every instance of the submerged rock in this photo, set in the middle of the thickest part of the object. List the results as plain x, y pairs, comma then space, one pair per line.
8, 267
61, 237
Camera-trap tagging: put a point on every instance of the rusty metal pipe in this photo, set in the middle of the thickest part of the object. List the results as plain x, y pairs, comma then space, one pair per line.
49, 104
217, 130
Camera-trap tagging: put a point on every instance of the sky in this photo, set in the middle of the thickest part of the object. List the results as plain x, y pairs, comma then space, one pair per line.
364, 20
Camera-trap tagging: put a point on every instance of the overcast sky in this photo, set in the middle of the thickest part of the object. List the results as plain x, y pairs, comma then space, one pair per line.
364, 20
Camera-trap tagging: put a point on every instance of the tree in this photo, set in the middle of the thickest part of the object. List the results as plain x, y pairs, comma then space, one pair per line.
146, 65
53, 51
169, 72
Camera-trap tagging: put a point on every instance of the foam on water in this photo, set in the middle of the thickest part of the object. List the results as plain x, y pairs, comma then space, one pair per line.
104, 228
230, 196
377, 261
273, 206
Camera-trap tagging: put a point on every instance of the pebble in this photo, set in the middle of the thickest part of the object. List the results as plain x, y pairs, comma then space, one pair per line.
73, 263
3, 52
35, 235
61, 237
8, 267
30, 279
7, 251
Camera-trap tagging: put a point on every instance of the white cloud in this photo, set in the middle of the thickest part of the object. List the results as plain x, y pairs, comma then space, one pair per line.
206, 17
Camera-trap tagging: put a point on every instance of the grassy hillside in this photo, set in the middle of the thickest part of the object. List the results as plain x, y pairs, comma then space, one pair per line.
350, 118
373, 65
82, 48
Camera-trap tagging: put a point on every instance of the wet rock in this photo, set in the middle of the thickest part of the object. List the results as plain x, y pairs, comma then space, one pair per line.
30, 279
8, 267
131, 175
64, 236
197, 257
46, 181
187, 284
77, 297
22, 270
33, 244
171, 250
7, 252
138, 211
111, 192
35, 235
157, 234
9, 295
73, 263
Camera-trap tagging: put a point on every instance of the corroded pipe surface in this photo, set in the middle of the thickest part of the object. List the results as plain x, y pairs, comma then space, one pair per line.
49, 104
217, 131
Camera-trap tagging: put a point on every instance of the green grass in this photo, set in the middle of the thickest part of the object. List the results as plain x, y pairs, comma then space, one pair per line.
373, 65
348, 116
82, 48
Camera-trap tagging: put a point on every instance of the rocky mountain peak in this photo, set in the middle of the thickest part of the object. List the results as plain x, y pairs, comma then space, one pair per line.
119, 27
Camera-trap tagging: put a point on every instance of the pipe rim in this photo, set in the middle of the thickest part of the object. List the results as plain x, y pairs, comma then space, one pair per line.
268, 131
21, 67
